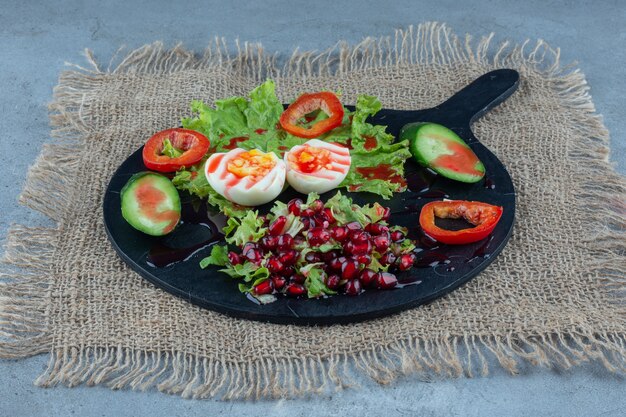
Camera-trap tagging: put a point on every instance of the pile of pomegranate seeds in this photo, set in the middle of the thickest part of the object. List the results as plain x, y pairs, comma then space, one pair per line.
351, 258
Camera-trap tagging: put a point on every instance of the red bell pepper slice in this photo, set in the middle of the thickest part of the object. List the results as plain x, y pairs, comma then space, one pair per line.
483, 216
186, 147
307, 103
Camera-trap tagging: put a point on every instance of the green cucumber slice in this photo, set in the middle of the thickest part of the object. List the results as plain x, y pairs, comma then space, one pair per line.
150, 203
442, 150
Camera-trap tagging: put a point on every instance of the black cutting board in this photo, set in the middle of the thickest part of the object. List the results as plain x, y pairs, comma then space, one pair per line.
443, 268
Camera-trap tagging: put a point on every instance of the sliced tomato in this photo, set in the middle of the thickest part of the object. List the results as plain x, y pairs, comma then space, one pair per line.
306, 104
186, 147
483, 216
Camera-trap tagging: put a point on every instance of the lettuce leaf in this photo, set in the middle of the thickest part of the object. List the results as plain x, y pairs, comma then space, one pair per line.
254, 118
377, 162
248, 228
219, 257
170, 150
345, 212
248, 271
314, 282
263, 109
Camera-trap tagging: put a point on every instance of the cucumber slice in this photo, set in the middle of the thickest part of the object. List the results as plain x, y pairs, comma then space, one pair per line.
150, 203
442, 150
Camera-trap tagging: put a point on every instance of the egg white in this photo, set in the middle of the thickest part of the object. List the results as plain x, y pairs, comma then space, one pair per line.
324, 179
244, 191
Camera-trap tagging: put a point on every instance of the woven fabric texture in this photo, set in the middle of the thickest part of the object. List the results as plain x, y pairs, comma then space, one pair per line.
554, 297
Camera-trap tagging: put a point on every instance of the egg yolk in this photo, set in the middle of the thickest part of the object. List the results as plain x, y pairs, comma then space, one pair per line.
309, 159
254, 163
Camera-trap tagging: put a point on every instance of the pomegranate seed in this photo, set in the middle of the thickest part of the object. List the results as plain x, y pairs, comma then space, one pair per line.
312, 257
332, 281
381, 242
265, 287
348, 247
376, 228
317, 205
284, 242
299, 240
359, 236
307, 212
321, 216
328, 212
357, 248
247, 247
368, 278
318, 236
288, 271
405, 262
365, 248
234, 258
339, 233
353, 287
350, 269
329, 256
308, 222
386, 280
335, 264
288, 257
274, 265
294, 206
269, 243
279, 282
294, 290
397, 236
386, 214
354, 226
364, 259
254, 255
321, 221
297, 278
277, 226
387, 259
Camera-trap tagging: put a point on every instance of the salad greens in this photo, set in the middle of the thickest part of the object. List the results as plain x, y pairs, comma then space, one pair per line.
252, 227
253, 122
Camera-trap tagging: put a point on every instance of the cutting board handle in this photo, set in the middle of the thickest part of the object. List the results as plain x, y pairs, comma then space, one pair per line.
462, 109
480, 96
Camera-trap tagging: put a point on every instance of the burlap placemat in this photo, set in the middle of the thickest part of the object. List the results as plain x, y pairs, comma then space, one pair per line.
554, 297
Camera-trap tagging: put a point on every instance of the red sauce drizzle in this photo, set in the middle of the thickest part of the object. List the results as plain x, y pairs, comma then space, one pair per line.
382, 172
234, 141
260, 131
149, 199
462, 160
215, 162
370, 143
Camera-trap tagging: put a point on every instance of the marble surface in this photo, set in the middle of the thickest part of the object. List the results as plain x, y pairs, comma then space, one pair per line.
37, 37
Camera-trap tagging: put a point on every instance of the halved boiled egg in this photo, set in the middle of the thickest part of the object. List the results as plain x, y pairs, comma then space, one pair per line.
249, 178
317, 166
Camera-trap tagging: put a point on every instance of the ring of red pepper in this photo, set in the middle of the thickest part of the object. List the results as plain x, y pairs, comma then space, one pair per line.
483, 216
193, 144
307, 103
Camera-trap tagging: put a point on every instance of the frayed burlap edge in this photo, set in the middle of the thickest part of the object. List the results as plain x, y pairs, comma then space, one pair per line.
25, 325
